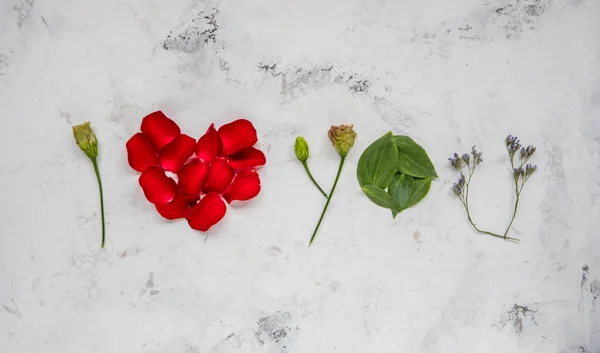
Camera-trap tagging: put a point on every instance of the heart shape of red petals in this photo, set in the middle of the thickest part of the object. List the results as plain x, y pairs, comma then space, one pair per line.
220, 167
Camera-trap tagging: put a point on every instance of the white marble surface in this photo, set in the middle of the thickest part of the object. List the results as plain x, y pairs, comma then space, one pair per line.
448, 73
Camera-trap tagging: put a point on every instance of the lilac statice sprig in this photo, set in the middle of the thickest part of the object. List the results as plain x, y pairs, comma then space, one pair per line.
466, 164
521, 169
460, 163
521, 172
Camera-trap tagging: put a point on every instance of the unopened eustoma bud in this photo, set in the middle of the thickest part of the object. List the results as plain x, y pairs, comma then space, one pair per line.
86, 139
342, 137
301, 149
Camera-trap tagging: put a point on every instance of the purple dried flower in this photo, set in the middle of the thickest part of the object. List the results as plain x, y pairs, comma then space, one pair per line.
518, 172
459, 187
466, 158
510, 139
455, 161
512, 144
476, 156
530, 169
526, 153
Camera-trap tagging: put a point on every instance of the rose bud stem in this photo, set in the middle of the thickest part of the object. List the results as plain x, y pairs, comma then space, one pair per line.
305, 165
95, 163
302, 153
87, 141
342, 159
342, 138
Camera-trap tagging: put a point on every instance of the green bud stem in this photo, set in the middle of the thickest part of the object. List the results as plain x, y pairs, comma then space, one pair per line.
101, 198
342, 159
305, 165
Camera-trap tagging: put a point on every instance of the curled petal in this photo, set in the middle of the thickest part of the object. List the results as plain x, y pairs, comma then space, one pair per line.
174, 155
247, 158
208, 212
191, 178
237, 135
158, 188
209, 146
141, 153
219, 176
245, 186
178, 208
159, 129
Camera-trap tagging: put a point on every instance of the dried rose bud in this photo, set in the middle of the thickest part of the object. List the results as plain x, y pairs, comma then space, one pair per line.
86, 139
342, 137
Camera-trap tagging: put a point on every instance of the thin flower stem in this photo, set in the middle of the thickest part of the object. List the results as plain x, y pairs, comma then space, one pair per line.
95, 163
513, 217
517, 193
313, 179
465, 202
485, 231
328, 199
466, 205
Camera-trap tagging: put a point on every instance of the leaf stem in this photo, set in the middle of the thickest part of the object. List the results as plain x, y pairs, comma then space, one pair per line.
328, 199
95, 163
305, 165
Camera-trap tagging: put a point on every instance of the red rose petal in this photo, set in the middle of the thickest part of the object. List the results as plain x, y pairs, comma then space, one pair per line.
219, 176
245, 186
247, 158
208, 212
178, 208
191, 178
209, 146
158, 188
174, 155
237, 135
159, 129
141, 153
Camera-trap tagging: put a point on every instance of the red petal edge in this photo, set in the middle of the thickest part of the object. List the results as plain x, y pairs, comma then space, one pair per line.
159, 129
191, 178
141, 153
208, 212
247, 158
237, 135
176, 153
219, 176
245, 186
209, 146
178, 208
158, 188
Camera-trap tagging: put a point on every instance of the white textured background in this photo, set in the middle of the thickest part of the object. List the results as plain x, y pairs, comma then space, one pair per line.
448, 73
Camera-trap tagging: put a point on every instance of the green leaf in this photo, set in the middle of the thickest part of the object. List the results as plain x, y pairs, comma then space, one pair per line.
421, 189
412, 158
401, 188
380, 197
378, 162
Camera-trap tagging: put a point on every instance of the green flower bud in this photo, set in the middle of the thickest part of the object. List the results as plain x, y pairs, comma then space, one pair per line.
342, 137
301, 149
86, 139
